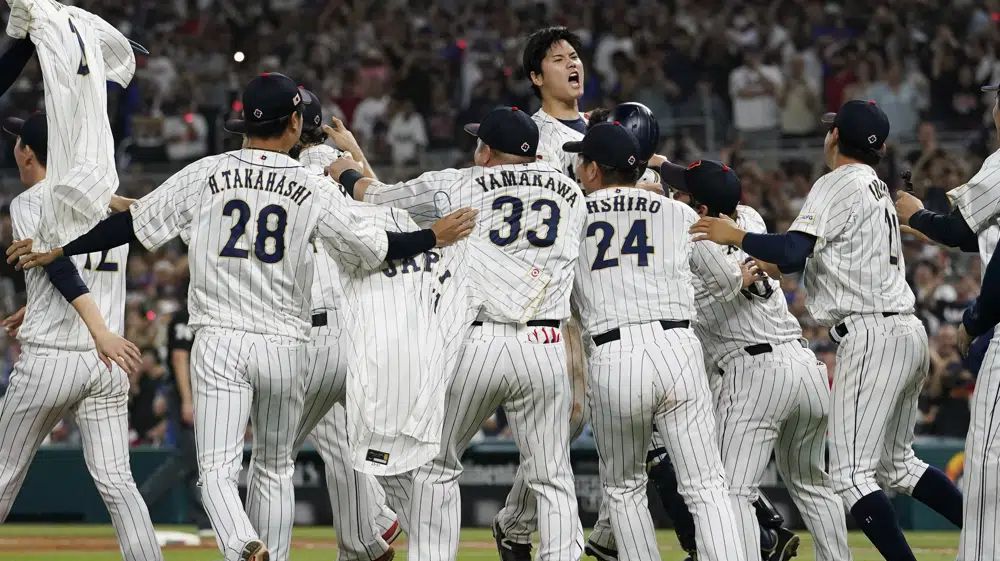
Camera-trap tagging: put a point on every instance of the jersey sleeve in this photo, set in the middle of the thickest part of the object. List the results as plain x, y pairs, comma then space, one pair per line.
119, 59
827, 209
25, 211
427, 197
352, 237
507, 288
720, 275
167, 212
979, 199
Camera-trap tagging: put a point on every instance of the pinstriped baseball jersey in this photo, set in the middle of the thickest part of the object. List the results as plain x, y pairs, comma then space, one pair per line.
397, 385
327, 292
636, 260
758, 314
552, 134
530, 210
250, 215
979, 202
857, 263
78, 53
50, 321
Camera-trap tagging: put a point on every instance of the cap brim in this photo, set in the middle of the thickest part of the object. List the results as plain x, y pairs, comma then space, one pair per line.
993, 88
472, 128
828, 118
672, 175
236, 126
13, 125
573, 147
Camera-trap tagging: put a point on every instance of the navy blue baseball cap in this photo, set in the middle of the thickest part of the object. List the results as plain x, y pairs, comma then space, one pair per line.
609, 144
507, 129
713, 184
862, 124
34, 132
268, 97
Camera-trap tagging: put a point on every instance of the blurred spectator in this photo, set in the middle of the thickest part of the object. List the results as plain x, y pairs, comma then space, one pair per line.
800, 106
407, 135
147, 404
755, 88
899, 99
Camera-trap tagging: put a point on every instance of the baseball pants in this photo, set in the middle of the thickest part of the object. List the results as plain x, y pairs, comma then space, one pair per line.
238, 376
981, 476
524, 369
45, 386
651, 375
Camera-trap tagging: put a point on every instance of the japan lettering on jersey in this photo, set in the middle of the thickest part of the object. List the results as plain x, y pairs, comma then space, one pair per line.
857, 263
757, 314
78, 53
979, 202
409, 322
49, 320
250, 216
529, 210
327, 293
636, 261
552, 134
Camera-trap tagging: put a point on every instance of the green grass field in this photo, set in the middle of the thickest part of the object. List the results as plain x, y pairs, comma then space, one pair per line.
55, 543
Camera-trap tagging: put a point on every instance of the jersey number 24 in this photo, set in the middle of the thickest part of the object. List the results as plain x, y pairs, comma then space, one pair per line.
269, 246
636, 243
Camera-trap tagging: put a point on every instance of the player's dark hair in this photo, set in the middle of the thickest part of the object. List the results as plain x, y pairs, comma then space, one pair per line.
41, 153
312, 137
270, 129
864, 155
596, 116
538, 46
615, 176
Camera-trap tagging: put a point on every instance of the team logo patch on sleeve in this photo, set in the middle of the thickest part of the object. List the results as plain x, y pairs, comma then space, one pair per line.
377, 457
807, 217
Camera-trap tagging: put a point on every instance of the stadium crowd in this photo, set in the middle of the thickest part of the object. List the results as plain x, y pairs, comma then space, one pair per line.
743, 82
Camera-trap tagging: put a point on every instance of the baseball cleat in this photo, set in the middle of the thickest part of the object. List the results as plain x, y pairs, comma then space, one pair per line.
600, 552
787, 547
509, 550
392, 533
255, 550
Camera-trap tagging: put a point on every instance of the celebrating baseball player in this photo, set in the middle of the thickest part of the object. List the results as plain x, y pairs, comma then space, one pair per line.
974, 225
249, 216
846, 239
535, 213
69, 315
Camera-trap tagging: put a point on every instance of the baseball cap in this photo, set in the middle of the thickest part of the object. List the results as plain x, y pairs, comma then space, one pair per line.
609, 144
507, 129
268, 97
711, 183
990, 88
862, 124
34, 132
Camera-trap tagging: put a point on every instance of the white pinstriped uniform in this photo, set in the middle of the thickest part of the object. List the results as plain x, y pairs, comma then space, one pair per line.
635, 269
856, 275
59, 373
250, 216
78, 53
534, 213
774, 401
979, 202
552, 134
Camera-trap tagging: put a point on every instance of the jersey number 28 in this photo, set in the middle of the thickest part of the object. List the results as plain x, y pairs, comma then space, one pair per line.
269, 247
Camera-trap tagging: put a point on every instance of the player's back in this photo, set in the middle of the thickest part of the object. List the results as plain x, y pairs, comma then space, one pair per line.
531, 211
757, 314
857, 263
634, 264
50, 321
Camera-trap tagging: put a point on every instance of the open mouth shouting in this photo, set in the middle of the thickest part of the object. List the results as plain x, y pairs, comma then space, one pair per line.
574, 79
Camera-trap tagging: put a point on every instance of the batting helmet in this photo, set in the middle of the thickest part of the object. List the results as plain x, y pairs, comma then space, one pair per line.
639, 120
312, 111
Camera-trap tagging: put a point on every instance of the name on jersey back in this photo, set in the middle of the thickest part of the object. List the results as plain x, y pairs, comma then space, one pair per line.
506, 178
259, 180
623, 203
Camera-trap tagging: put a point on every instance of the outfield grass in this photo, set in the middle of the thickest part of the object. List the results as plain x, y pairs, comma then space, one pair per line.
477, 545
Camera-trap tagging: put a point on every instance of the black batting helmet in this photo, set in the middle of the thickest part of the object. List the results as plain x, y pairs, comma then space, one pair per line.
639, 120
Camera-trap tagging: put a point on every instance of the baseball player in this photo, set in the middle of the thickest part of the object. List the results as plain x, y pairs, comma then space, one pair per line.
59, 373
634, 292
974, 225
249, 216
846, 239
533, 212
361, 527
78, 53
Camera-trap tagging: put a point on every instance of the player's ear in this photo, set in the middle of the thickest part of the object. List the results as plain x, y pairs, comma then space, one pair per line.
536, 78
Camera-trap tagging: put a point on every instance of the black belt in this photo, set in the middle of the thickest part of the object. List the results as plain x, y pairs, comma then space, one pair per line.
616, 334
764, 348
533, 323
319, 320
841, 328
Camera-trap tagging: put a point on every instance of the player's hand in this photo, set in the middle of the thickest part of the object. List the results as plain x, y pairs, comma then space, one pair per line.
13, 322
342, 164
187, 413
963, 341
722, 231
751, 272
120, 204
17, 250
112, 348
656, 160
454, 227
343, 138
650, 186
906, 206
32, 260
